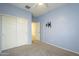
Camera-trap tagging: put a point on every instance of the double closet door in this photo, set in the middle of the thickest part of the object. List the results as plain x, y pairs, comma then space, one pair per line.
8, 32
14, 32
22, 31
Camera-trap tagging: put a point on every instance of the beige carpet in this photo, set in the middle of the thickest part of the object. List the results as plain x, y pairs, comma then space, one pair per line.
37, 49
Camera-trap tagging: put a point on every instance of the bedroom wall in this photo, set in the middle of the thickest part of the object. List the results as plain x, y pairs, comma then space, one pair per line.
0, 32
64, 31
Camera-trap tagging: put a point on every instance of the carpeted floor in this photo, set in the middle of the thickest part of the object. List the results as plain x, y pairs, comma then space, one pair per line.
37, 49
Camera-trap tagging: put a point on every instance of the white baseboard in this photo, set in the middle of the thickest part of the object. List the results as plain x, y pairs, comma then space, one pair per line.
17, 46
61, 47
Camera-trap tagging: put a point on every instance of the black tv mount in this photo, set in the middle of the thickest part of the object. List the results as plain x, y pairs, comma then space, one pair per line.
48, 24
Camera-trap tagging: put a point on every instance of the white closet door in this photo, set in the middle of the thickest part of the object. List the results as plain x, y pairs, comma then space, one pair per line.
8, 32
22, 29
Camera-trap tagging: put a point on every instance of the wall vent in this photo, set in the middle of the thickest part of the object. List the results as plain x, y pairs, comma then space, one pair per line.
28, 7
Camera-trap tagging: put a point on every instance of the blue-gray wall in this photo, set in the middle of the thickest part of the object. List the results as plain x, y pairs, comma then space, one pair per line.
0, 32
15, 11
65, 27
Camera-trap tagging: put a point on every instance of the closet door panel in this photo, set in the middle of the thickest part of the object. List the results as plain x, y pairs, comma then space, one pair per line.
9, 32
22, 35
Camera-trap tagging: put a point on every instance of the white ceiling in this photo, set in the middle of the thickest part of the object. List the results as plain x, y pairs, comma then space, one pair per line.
38, 10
